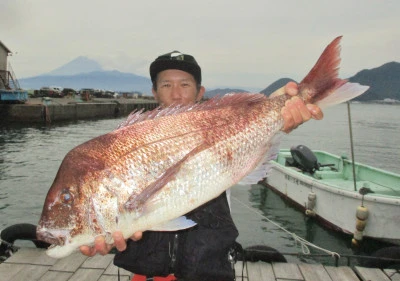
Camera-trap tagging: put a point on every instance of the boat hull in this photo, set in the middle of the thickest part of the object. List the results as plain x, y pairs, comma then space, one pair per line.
336, 202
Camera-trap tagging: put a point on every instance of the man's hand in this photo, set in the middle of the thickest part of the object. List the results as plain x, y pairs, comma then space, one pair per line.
101, 247
295, 112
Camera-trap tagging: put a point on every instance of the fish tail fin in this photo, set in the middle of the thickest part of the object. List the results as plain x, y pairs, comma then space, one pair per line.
344, 93
322, 86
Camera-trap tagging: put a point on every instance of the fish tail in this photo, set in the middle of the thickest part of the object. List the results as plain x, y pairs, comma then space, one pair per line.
322, 86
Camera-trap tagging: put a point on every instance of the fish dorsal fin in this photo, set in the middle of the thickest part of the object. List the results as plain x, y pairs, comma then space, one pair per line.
231, 99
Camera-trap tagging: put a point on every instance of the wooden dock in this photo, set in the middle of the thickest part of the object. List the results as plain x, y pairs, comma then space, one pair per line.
311, 272
33, 264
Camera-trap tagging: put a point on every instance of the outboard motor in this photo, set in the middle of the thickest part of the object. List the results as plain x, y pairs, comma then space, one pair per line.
304, 158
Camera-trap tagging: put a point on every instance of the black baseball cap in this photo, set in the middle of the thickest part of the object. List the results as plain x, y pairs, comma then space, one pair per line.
175, 60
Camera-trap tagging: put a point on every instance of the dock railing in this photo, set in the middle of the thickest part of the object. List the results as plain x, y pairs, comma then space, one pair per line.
8, 80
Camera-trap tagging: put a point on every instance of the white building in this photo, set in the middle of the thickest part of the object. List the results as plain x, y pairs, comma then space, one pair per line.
4, 52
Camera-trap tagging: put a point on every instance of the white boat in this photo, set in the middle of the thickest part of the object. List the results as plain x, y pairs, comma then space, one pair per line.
323, 185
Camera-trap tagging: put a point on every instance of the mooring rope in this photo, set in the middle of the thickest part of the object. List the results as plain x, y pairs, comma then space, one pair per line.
298, 240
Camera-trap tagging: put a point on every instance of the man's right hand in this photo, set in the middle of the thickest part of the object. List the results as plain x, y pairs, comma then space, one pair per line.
101, 247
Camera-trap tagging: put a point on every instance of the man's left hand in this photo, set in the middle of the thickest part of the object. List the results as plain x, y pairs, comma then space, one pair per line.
295, 112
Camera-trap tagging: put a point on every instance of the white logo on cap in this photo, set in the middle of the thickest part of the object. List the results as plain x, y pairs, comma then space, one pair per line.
176, 54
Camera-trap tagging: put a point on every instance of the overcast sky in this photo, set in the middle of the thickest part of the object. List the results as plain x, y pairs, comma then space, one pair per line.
247, 43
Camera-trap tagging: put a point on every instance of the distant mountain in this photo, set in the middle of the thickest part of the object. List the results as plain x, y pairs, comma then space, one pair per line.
82, 72
221, 92
267, 91
384, 82
276, 85
107, 80
79, 65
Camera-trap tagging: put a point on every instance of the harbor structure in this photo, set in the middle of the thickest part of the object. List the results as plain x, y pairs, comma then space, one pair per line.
10, 90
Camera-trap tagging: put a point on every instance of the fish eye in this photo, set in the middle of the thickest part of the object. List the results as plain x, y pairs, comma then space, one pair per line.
66, 197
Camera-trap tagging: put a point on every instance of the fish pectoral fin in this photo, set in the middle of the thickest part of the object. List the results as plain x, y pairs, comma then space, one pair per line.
175, 224
138, 201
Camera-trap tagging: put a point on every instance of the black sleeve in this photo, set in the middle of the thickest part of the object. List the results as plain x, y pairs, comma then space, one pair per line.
203, 249
201, 252
149, 256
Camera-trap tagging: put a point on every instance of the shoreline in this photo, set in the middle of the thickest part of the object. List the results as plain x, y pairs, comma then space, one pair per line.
36, 110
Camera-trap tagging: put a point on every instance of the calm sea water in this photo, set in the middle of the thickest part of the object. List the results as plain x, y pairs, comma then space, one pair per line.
30, 157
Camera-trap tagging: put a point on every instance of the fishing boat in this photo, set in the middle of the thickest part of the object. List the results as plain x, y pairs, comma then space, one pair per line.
355, 199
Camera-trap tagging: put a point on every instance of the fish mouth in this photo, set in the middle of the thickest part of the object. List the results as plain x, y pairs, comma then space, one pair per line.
51, 236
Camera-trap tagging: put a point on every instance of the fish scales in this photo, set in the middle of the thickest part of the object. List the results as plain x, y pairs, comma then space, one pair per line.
222, 159
162, 164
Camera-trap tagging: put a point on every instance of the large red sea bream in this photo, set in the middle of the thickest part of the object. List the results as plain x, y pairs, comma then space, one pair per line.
160, 165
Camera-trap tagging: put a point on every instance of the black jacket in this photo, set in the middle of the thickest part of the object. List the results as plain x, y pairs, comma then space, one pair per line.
198, 253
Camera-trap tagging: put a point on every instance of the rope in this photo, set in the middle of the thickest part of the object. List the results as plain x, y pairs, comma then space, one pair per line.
298, 240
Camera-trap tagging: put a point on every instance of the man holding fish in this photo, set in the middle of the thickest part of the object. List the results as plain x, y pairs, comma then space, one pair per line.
199, 252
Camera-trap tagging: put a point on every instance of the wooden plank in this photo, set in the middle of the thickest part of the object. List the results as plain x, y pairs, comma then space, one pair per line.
8, 270
393, 274
98, 261
30, 272
87, 274
288, 271
260, 271
55, 276
241, 270
114, 278
341, 273
374, 274
34, 264
70, 263
31, 256
113, 270
314, 272
267, 274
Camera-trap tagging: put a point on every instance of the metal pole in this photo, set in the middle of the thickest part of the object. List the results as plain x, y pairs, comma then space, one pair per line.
351, 147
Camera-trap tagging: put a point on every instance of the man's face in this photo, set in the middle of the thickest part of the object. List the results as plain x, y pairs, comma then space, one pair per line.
176, 87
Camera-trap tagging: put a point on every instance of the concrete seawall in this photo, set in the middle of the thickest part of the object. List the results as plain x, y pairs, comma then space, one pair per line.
37, 110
